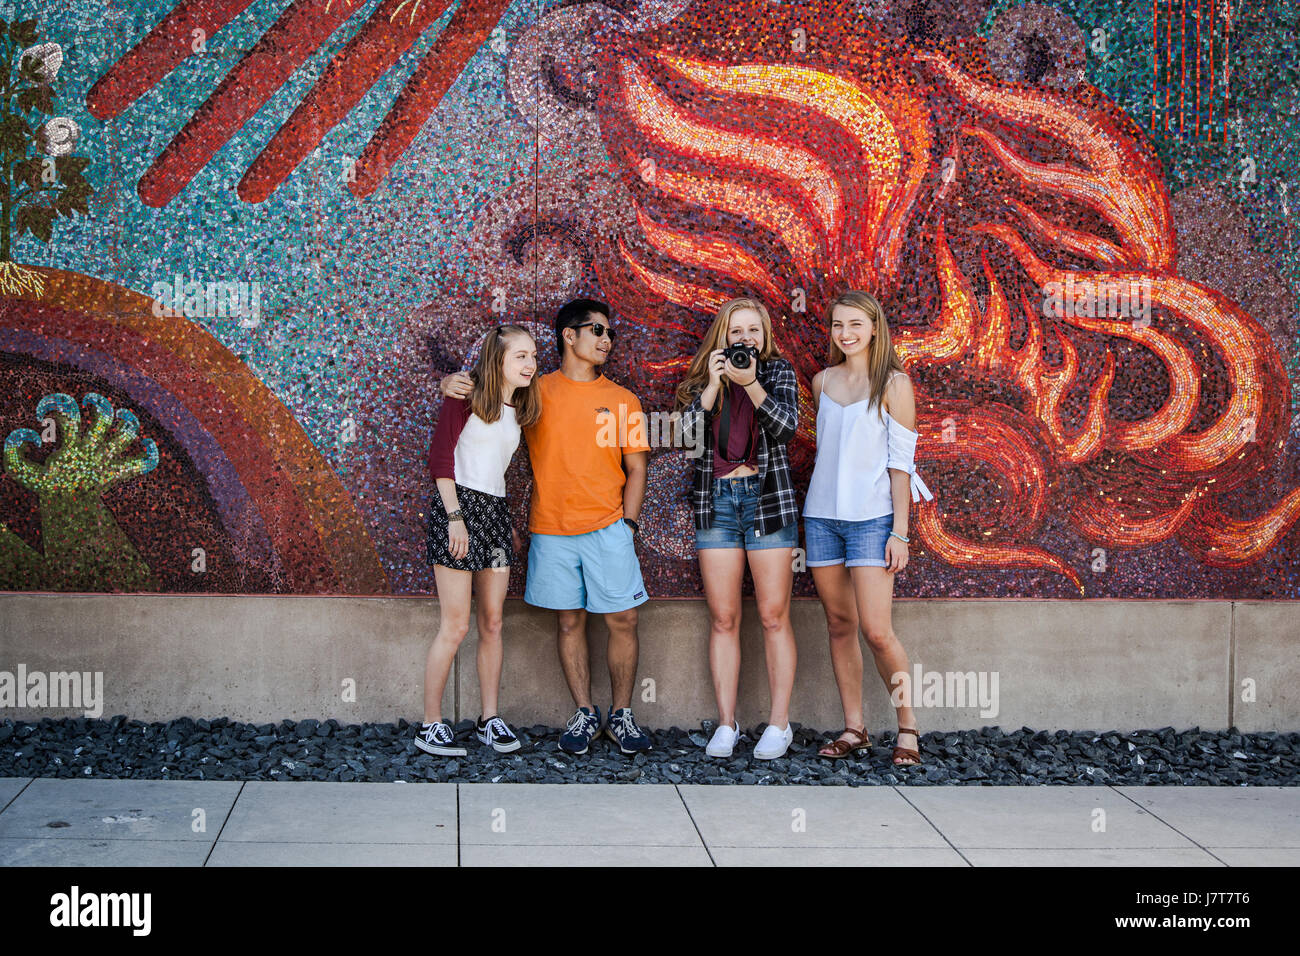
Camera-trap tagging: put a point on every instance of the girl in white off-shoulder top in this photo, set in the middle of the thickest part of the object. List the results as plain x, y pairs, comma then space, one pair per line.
856, 512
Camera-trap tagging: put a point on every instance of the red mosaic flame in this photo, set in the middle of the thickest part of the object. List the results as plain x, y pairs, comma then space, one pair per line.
765, 170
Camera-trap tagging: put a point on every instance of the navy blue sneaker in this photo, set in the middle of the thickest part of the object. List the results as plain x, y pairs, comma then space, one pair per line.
581, 728
622, 729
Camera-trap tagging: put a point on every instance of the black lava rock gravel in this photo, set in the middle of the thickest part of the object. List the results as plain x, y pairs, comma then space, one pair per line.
221, 749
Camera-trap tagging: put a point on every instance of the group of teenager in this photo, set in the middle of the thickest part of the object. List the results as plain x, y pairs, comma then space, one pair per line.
738, 406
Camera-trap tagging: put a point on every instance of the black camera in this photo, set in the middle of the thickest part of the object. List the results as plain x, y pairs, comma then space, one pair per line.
741, 355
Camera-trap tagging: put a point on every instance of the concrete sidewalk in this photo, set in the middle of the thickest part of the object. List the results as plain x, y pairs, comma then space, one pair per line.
98, 822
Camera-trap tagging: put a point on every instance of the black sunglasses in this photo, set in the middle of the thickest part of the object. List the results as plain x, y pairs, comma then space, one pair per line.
596, 329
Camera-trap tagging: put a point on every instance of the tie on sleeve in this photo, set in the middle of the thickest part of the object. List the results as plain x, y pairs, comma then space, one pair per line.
902, 453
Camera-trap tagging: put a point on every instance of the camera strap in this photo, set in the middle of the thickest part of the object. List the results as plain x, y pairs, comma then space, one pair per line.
724, 433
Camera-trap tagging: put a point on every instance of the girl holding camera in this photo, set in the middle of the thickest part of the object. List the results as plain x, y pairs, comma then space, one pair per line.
739, 410
856, 510
470, 535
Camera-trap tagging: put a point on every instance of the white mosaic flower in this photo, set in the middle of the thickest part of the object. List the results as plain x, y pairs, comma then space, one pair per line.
58, 136
49, 58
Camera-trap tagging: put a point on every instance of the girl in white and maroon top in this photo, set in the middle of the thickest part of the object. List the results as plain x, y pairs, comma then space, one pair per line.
470, 537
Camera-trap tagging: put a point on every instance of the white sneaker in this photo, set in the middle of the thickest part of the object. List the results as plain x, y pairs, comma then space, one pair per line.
774, 743
723, 742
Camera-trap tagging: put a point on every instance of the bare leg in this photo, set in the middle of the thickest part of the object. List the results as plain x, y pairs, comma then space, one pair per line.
621, 652
723, 571
490, 584
773, 571
453, 624
571, 640
875, 592
835, 588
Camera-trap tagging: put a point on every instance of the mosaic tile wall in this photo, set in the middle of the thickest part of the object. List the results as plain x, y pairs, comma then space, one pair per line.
240, 242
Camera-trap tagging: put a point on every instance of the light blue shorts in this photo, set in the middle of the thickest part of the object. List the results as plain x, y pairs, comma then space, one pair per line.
854, 544
598, 571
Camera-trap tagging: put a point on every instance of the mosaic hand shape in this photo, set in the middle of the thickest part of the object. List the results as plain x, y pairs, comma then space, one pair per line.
86, 461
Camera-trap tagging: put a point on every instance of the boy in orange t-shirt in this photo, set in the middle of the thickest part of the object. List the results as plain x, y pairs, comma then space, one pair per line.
589, 454
577, 448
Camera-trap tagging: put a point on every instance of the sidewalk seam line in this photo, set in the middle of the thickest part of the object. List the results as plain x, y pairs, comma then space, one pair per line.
1166, 823
690, 816
932, 824
30, 781
229, 813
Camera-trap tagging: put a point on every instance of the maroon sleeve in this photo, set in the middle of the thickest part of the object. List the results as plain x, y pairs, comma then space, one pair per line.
442, 450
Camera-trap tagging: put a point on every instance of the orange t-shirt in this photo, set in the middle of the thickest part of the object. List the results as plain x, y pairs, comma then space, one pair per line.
576, 448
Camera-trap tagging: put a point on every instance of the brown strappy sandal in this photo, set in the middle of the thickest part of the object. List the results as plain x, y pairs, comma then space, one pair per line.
837, 749
904, 752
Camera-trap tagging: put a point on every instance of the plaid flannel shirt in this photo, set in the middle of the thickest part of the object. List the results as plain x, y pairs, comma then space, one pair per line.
777, 417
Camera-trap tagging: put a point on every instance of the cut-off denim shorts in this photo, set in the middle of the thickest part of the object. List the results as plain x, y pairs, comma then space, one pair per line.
854, 544
735, 504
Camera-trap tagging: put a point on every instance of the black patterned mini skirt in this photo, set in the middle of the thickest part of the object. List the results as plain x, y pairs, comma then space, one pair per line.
487, 520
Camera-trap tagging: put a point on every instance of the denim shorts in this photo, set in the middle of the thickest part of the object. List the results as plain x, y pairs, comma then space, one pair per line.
854, 544
735, 504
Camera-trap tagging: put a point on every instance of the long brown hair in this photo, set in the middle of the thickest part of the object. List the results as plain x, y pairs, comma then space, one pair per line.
489, 375
697, 376
881, 357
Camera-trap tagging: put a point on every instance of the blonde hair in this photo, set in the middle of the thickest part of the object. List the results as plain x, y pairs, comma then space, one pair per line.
881, 357
697, 375
489, 375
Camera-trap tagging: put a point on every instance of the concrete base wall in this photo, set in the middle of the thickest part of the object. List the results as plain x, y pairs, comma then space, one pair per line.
1095, 665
